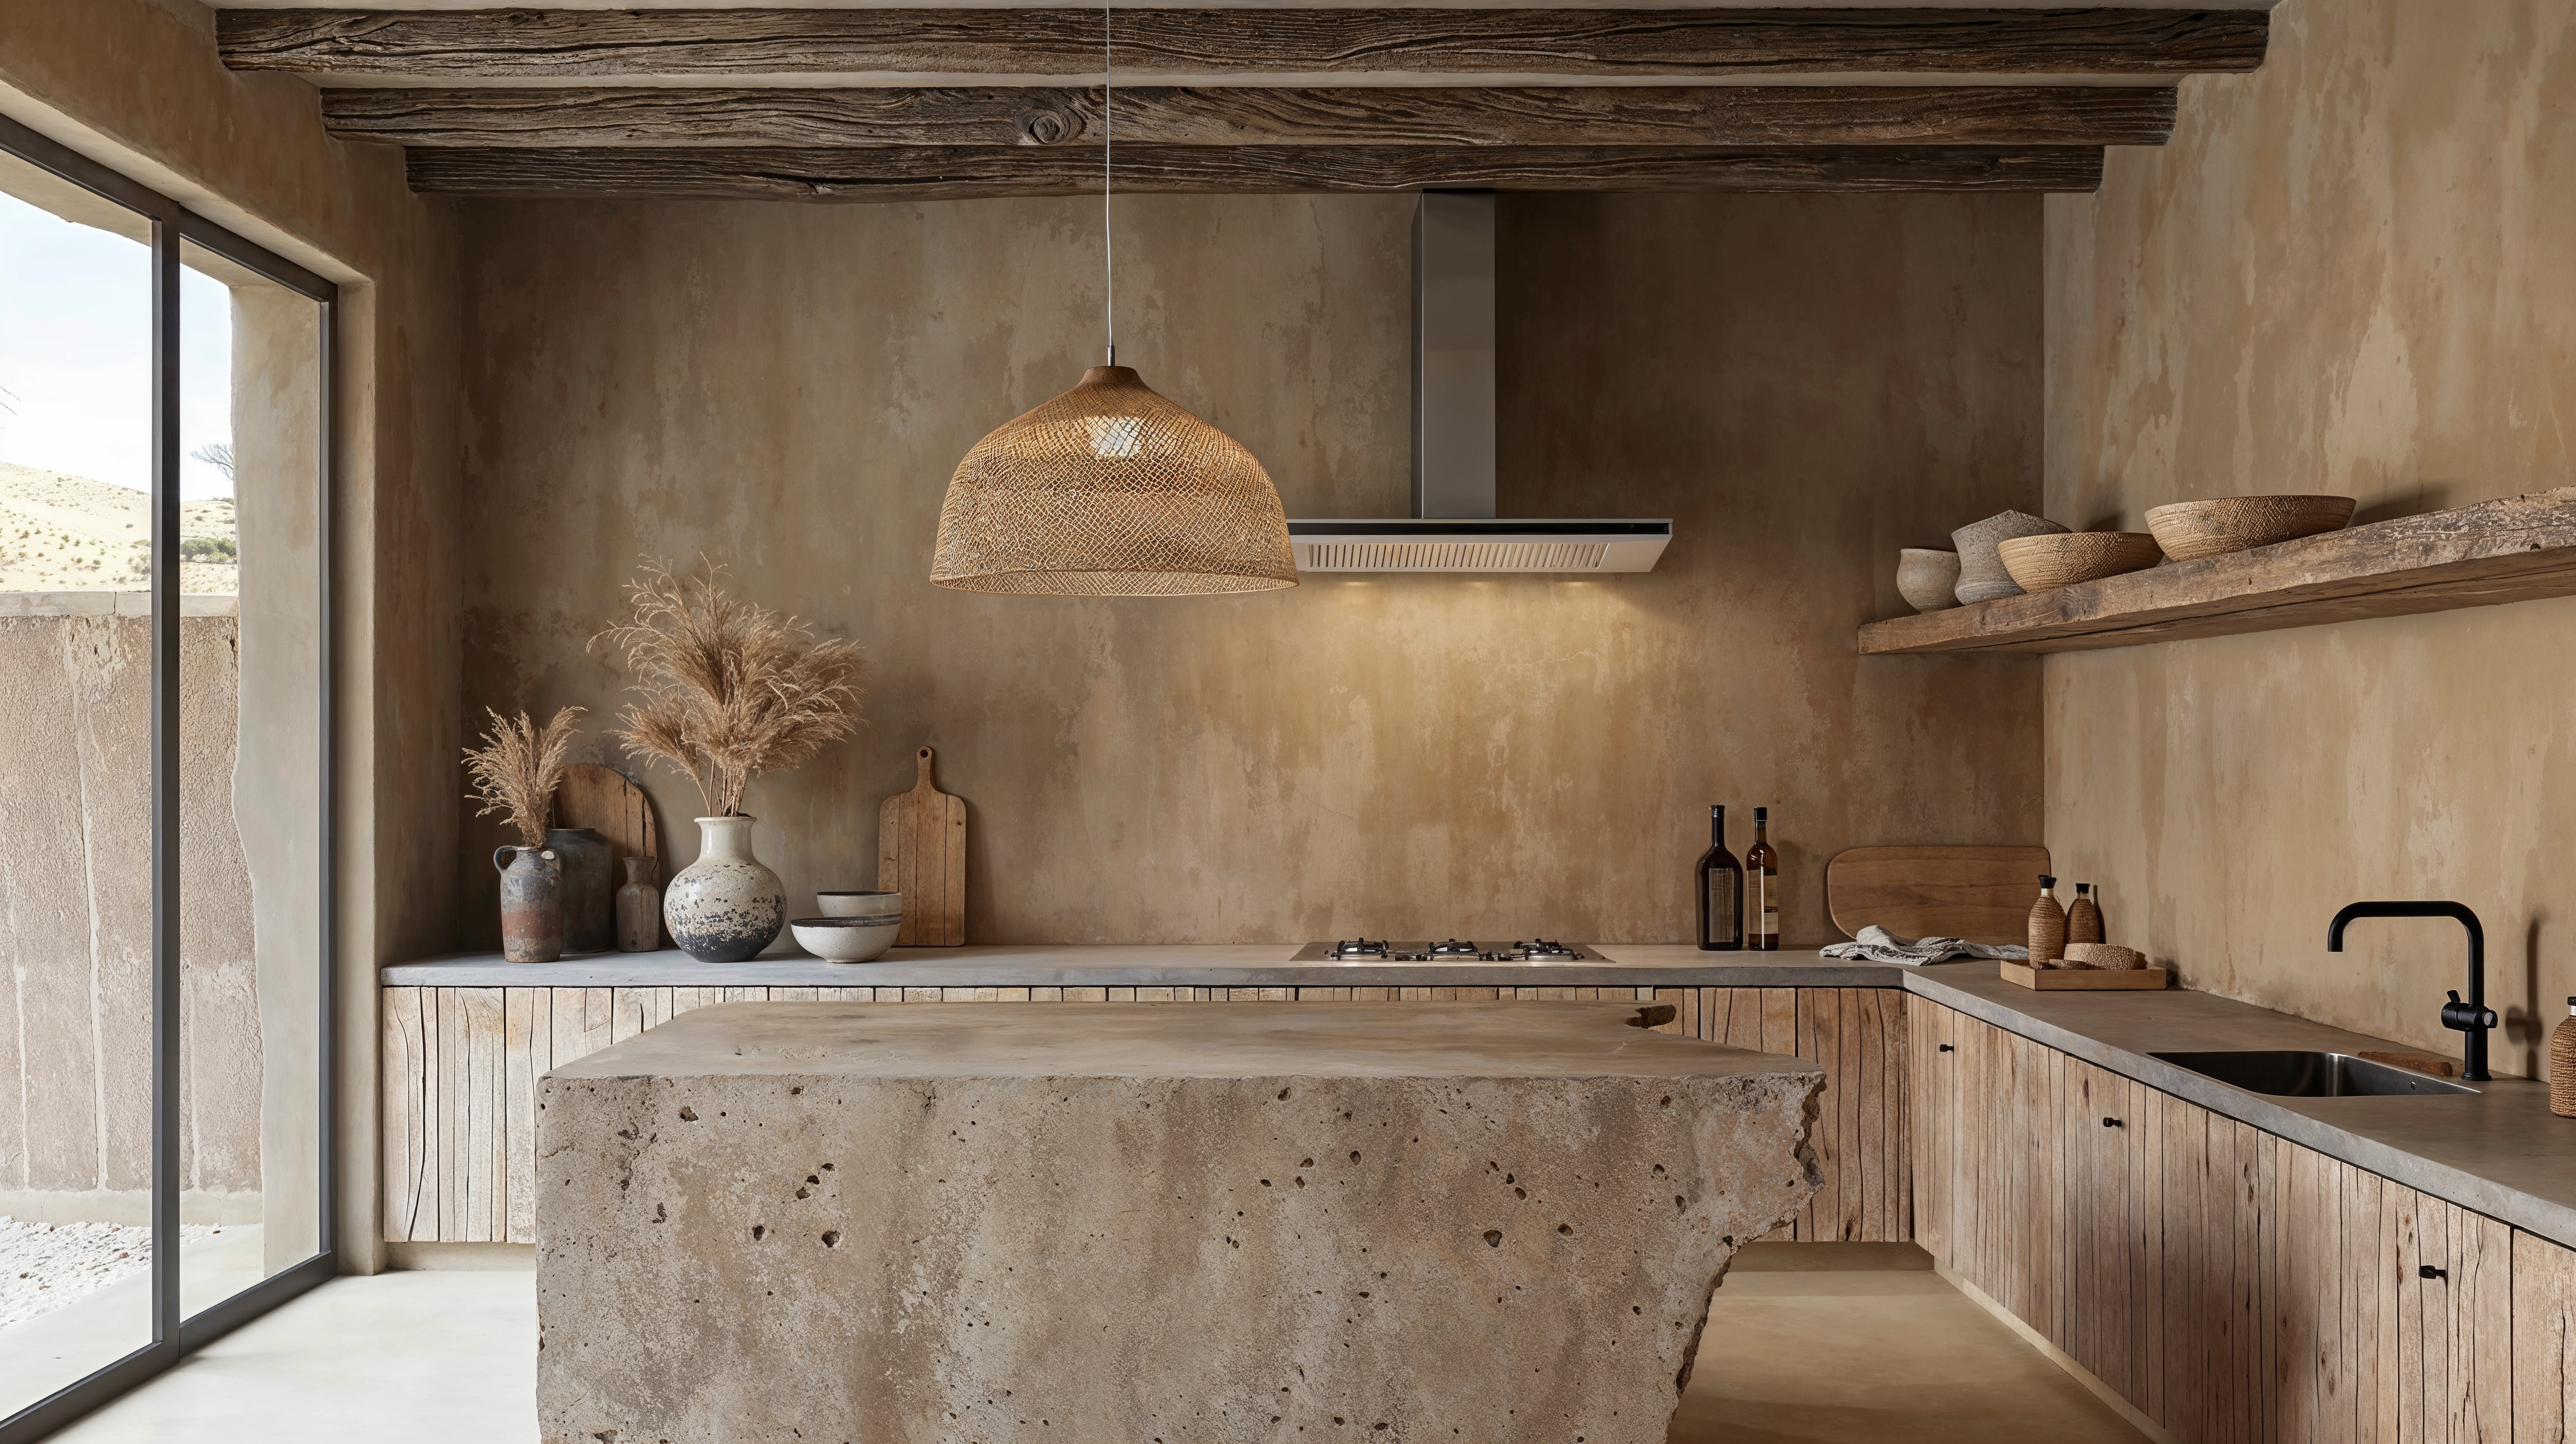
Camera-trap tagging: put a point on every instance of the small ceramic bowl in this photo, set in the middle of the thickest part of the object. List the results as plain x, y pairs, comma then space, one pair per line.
1928, 580
847, 940
1982, 577
858, 904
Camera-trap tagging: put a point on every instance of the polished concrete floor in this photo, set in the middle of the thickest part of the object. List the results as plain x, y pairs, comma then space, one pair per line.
1888, 1355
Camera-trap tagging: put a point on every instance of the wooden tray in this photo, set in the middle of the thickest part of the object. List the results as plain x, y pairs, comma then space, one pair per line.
2084, 980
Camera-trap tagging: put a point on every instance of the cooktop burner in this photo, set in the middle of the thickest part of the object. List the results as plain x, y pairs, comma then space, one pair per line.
1450, 950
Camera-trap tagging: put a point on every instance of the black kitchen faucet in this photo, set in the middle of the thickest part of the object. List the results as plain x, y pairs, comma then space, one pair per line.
2473, 1017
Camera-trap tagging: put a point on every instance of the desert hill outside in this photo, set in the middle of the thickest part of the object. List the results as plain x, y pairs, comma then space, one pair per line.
65, 533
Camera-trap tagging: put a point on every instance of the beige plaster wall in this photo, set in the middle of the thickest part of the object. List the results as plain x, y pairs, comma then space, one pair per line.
137, 85
2349, 273
1803, 384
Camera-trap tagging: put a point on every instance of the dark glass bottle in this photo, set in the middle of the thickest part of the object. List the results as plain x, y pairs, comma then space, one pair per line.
1721, 891
1761, 888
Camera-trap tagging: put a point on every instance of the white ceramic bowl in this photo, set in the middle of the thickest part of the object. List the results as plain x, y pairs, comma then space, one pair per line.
846, 940
858, 904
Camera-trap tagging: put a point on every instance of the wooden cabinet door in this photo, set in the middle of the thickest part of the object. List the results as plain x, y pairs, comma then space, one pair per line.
2451, 1297
2544, 1341
1932, 1073
2111, 1183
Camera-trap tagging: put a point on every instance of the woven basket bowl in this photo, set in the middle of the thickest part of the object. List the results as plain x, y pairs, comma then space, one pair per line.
2191, 529
2044, 563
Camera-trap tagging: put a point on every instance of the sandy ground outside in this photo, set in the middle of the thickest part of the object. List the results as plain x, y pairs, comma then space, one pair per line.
64, 533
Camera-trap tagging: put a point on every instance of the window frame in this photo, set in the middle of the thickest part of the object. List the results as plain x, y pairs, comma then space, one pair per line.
174, 1336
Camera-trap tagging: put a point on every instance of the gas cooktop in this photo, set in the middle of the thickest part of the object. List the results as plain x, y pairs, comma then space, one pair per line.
1454, 950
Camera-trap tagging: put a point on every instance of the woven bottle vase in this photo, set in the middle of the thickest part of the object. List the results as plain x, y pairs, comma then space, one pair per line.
1112, 491
2562, 1065
2083, 918
2047, 927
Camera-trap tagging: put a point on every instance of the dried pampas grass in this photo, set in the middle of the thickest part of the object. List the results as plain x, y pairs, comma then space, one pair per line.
517, 767
729, 689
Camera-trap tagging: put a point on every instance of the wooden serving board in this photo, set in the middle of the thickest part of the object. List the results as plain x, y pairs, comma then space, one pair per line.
2085, 980
921, 853
617, 805
603, 797
1980, 894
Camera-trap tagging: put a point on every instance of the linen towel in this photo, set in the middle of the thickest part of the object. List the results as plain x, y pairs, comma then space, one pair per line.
1877, 945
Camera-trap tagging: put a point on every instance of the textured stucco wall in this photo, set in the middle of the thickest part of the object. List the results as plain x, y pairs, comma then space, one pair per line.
2349, 273
1804, 384
137, 85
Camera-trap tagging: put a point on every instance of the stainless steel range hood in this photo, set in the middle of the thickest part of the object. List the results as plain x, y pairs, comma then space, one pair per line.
1453, 527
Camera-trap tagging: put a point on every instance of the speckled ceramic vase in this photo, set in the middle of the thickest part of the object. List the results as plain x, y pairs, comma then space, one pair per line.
726, 906
1982, 577
1928, 580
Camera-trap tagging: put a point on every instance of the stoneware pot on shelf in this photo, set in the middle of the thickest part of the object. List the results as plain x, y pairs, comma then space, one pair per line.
589, 864
1928, 580
726, 906
1982, 577
639, 906
532, 919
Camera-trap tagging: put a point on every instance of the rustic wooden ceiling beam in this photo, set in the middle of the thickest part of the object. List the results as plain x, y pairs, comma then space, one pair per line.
915, 173
1067, 42
1041, 116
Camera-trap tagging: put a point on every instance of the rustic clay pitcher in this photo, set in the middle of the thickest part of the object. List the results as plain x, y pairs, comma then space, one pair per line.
589, 866
532, 918
726, 906
639, 906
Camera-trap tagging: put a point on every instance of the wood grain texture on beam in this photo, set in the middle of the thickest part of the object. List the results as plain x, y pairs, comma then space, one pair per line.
2516, 549
917, 173
2104, 41
1158, 115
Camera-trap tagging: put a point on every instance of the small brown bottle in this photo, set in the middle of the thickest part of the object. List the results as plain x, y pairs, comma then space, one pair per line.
1761, 888
2084, 917
2562, 1065
2047, 926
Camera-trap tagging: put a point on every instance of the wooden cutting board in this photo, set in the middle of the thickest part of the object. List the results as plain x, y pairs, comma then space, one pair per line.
921, 853
1981, 894
603, 797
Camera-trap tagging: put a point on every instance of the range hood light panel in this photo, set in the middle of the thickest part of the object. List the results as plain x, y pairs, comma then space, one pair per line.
1453, 528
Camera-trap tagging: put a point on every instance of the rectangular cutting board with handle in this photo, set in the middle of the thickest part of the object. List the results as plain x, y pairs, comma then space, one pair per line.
1981, 894
921, 853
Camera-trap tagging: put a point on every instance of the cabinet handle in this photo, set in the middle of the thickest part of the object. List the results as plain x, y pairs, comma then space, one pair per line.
1946, 1048
2111, 1123
2427, 1271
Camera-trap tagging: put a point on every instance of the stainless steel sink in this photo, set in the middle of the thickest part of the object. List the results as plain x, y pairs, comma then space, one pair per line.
2311, 1075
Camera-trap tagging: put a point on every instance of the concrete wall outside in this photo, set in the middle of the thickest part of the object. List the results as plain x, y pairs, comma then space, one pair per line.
1803, 383
76, 935
137, 85
2348, 274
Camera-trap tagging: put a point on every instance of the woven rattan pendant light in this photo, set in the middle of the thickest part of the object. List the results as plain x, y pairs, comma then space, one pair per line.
1111, 491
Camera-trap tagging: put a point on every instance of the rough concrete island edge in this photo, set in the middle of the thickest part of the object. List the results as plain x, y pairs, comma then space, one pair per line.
935, 1222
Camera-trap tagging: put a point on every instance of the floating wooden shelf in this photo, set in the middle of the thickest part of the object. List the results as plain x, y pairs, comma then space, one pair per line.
2513, 550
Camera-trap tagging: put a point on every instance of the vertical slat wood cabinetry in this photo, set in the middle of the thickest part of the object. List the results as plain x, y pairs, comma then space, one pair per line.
2231, 1285
461, 1068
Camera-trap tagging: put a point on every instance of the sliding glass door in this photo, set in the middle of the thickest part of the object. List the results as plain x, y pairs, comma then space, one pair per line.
165, 744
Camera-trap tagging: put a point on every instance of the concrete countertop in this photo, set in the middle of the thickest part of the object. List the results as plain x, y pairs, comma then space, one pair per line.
1261, 965
2499, 1151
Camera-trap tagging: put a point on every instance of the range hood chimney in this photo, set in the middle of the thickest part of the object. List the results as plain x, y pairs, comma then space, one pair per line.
1453, 527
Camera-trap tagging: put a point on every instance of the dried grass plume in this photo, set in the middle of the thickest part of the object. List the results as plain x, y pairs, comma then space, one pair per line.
517, 767
728, 689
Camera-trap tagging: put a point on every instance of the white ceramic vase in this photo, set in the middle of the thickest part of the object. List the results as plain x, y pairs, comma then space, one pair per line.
726, 906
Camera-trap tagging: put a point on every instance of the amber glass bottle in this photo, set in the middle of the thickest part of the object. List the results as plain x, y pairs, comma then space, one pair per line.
1721, 890
1761, 888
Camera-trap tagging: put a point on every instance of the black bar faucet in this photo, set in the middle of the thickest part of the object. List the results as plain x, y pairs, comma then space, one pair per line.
2473, 1017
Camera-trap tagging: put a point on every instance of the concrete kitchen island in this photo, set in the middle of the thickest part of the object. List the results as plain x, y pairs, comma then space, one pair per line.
829, 1221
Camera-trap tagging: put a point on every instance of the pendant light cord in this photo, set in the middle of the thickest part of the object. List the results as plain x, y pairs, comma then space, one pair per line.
1108, 241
